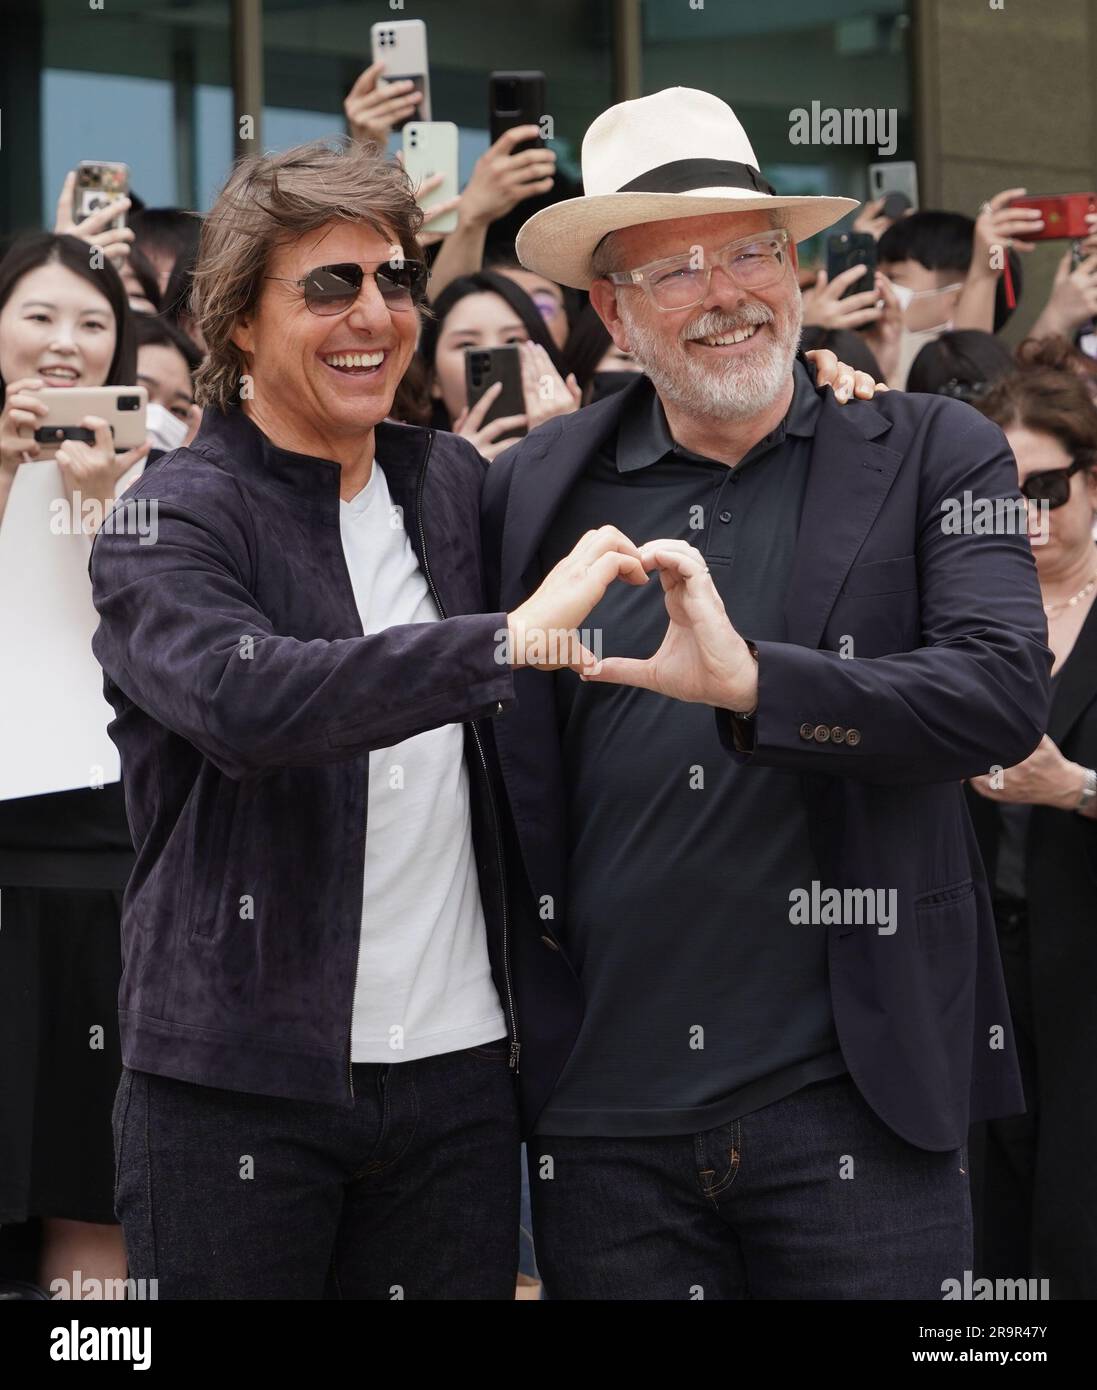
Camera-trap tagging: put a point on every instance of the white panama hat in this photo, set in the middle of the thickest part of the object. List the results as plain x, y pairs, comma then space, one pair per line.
677, 153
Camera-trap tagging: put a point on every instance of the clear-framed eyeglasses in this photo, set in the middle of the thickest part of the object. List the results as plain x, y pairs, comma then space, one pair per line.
681, 282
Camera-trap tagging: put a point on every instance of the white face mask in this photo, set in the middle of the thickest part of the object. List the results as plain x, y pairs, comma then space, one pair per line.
165, 430
913, 340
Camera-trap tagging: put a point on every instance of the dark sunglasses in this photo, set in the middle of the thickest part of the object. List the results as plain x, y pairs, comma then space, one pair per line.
332, 289
1052, 486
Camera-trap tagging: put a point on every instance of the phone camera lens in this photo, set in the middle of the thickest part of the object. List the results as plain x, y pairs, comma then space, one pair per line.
129, 402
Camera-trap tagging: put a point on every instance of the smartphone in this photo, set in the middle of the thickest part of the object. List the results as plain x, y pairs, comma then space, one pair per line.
846, 249
1077, 256
1064, 214
402, 46
430, 147
123, 408
98, 184
516, 98
484, 367
895, 176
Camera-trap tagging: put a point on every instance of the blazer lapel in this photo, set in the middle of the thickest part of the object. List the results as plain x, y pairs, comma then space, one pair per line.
547, 470
849, 477
1075, 687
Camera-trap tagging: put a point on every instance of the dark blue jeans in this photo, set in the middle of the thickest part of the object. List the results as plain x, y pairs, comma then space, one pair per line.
811, 1197
412, 1194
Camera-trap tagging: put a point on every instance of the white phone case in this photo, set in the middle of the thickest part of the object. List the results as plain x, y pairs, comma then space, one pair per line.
402, 45
897, 176
430, 147
67, 406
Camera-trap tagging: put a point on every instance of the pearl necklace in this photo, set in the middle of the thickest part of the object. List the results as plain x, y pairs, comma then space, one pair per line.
1087, 588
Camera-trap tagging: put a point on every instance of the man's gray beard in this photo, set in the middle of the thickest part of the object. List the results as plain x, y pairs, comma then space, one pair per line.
736, 389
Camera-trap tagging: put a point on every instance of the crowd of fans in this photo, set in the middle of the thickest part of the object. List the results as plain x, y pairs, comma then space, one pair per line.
931, 323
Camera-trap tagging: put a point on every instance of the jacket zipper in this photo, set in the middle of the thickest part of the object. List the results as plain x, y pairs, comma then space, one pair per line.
515, 1045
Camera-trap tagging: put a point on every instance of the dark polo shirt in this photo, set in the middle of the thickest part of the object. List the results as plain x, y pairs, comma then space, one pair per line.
703, 1001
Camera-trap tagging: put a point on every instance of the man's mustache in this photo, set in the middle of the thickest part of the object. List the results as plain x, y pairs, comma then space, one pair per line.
716, 321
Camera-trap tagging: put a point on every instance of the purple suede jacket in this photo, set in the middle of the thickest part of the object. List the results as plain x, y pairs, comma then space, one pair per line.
246, 704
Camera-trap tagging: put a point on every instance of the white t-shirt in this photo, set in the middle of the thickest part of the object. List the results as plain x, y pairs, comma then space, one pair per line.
424, 981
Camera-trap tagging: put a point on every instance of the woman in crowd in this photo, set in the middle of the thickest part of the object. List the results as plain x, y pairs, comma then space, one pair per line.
482, 311
1035, 1190
64, 857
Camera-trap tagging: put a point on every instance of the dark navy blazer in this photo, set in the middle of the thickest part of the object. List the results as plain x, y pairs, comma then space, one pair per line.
946, 677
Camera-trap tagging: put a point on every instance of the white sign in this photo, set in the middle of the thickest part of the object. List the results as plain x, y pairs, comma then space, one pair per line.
53, 717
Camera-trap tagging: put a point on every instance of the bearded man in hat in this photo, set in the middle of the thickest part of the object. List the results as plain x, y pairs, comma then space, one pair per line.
746, 831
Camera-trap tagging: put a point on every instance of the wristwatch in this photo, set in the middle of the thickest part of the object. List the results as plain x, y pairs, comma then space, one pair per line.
1089, 790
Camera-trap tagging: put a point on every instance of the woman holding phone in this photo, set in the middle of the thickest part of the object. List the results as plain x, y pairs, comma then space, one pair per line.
64, 857
487, 310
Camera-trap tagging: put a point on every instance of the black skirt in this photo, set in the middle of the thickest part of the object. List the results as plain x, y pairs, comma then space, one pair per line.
60, 1062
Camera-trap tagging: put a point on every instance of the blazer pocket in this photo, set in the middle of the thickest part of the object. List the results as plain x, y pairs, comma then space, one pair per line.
946, 916
882, 577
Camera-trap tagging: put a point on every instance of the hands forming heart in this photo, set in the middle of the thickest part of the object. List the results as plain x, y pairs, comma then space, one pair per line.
702, 659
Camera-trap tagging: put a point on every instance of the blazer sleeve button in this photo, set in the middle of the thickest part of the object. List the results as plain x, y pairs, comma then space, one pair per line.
822, 733
853, 737
837, 734
807, 730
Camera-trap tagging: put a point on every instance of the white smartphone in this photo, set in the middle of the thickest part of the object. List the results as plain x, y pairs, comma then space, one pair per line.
430, 147
123, 408
896, 176
402, 46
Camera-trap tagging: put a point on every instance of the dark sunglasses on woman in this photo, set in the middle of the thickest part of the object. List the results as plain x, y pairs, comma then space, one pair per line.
333, 289
1052, 485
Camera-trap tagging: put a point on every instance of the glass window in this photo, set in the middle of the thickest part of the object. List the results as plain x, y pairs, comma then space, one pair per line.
133, 81
313, 53
768, 62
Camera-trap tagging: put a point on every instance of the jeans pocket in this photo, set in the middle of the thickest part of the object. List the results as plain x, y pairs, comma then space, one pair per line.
119, 1115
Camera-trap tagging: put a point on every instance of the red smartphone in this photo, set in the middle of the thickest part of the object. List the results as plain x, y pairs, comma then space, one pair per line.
1064, 214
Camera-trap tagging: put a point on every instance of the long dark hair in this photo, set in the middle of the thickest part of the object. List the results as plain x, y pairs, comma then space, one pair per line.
588, 342
153, 331
44, 248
